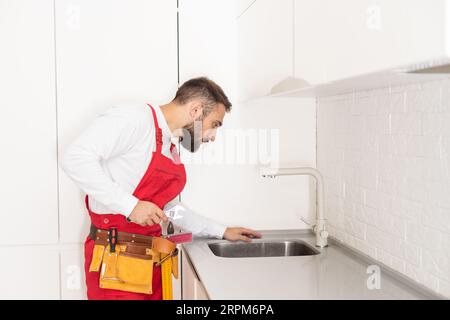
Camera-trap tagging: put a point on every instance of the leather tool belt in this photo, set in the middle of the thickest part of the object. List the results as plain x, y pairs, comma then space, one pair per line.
126, 260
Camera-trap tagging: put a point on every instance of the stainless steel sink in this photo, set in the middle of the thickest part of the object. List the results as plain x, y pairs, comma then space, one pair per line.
274, 248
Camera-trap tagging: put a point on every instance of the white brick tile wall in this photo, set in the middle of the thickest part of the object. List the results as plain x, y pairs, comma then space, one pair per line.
354, 228
385, 155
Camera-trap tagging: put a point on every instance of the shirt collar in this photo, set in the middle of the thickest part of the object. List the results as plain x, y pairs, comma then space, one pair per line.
162, 122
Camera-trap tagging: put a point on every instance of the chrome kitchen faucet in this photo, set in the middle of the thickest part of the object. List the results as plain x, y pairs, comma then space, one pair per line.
320, 227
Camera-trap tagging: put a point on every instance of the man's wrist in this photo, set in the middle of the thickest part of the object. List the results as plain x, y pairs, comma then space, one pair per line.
221, 232
128, 203
129, 217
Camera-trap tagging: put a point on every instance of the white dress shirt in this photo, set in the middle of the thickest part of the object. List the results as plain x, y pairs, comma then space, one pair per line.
108, 160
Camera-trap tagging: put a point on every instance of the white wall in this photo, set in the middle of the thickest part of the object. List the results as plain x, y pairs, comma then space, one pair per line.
233, 192
385, 155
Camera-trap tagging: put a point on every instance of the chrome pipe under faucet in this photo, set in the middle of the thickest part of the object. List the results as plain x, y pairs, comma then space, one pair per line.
319, 228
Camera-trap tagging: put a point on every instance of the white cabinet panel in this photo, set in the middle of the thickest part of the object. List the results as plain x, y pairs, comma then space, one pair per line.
362, 36
309, 47
200, 292
265, 47
73, 280
108, 52
242, 5
192, 287
28, 190
216, 57
29, 273
188, 279
176, 283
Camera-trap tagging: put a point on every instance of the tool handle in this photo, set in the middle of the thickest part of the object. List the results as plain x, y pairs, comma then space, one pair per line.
170, 229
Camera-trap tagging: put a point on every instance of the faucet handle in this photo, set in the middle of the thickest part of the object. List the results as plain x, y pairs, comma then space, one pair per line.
308, 223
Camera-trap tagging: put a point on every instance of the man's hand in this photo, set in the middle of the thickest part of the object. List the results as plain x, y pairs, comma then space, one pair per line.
242, 234
146, 213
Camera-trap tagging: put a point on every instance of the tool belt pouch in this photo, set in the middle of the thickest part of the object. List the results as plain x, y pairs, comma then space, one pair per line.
129, 268
97, 258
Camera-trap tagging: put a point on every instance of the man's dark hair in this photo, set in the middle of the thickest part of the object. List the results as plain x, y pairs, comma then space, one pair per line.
205, 89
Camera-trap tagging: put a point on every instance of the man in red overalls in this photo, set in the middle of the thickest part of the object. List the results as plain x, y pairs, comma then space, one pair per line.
127, 164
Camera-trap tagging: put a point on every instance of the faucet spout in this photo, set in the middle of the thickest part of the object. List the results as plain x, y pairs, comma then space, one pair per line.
320, 227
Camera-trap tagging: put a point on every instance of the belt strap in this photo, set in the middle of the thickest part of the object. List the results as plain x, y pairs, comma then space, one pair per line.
102, 236
158, 244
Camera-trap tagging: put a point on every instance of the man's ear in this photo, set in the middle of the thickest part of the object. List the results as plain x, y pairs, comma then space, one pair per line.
195, 110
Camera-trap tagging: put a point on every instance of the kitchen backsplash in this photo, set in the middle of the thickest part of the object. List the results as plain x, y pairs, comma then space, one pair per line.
385, 155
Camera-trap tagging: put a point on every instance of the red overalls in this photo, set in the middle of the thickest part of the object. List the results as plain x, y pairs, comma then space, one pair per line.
164, 180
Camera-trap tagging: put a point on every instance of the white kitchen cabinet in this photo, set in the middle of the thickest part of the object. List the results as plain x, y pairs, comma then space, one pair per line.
265, 47
28, 189
73, 280
242, 6
216, 57
321, 41
309, 45
200, 291
108, 53
29, 272
341, 39
176, 283
192, 287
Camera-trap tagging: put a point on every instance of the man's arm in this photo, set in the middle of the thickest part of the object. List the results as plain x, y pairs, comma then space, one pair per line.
203, 227
190, 221
109, 136
112, 134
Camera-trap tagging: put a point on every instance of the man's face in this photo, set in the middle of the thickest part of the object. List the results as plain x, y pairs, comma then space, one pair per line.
203, 130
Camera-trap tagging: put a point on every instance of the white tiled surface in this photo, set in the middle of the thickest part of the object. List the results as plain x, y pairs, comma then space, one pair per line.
385, 155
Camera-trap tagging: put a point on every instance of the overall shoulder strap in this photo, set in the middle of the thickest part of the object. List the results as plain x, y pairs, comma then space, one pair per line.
158, 131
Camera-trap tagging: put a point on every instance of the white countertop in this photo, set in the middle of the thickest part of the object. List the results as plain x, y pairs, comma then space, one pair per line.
336, 273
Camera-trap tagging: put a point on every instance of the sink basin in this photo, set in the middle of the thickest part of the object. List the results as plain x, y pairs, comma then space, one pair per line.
262, 249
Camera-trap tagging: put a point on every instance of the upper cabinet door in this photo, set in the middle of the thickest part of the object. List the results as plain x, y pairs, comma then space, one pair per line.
108, 53
310, 27
265, 47
214, 20
28, 189
363, 36
242, 5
